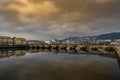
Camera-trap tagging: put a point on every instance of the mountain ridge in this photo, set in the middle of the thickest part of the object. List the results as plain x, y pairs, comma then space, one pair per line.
112, 36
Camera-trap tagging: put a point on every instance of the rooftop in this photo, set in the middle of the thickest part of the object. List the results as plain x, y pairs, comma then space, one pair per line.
5, 37
20, 38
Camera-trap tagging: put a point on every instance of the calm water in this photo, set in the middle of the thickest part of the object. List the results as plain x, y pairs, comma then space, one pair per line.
35, 65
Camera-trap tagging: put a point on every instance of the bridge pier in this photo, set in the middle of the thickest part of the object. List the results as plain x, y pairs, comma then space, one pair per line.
40, 46
54, 47
82, 47
62, 46
35, 46
76, 47
30, 46
46, 46
71, 47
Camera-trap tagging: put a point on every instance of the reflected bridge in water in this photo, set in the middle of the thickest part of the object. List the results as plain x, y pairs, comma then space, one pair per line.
7, 53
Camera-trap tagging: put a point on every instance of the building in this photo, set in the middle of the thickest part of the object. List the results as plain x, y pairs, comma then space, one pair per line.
115, 43
8, 41
54, 41
116, 40
106, 41
5, 40
19, 41
35, 42
48, 42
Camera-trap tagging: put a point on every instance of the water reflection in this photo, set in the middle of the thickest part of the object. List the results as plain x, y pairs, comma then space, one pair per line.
38, 64
19, 52
9, 53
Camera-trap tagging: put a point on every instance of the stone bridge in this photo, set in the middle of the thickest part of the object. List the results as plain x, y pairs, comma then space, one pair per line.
73, 46
78, 48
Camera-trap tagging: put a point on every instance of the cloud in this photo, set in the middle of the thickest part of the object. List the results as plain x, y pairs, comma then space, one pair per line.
27, 11
55, 18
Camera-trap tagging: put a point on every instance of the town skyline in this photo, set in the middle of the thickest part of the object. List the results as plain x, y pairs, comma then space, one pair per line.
59, 38
48, 19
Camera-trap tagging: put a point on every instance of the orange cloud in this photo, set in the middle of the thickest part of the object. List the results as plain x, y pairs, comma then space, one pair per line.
30, 11
37, 11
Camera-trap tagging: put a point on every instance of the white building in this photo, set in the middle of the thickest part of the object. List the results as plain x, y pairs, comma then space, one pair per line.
115, 43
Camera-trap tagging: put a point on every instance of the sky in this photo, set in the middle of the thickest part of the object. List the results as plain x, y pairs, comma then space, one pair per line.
49, 19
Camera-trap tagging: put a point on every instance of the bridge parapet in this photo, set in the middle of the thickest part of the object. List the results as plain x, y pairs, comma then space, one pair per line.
46, 46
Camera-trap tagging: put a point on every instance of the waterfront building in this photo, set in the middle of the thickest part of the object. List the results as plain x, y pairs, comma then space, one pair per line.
5, 40
10, 41
19, 41
48, 42
35, 42
117, 40
54, 41
115, 43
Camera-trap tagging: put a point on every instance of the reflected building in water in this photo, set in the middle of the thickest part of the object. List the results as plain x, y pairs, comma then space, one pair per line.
11, 53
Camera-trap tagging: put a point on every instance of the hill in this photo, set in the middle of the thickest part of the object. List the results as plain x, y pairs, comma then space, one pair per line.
112, 36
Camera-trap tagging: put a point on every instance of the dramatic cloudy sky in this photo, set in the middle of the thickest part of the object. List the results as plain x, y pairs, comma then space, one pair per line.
47, 19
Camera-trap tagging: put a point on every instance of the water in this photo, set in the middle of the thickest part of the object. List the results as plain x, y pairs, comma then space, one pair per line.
37, 65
